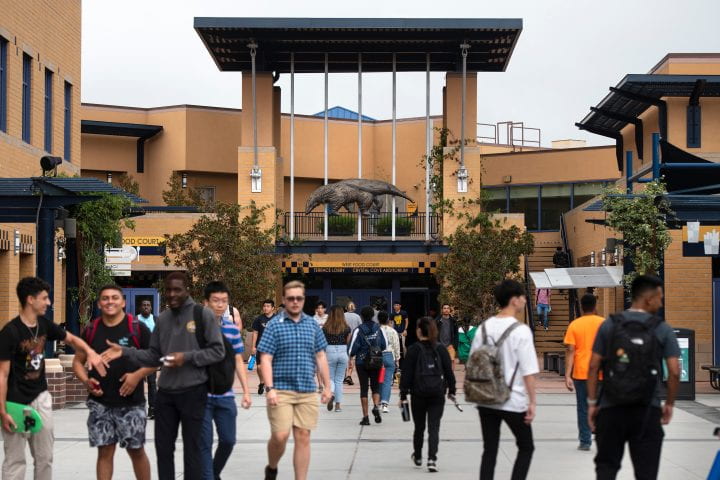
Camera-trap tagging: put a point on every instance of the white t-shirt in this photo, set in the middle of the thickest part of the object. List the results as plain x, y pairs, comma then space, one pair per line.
518, 349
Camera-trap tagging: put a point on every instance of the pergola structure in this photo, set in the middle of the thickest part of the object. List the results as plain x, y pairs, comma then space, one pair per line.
265, 48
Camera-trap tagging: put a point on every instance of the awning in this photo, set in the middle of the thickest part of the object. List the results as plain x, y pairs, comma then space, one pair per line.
140, 131
579, 277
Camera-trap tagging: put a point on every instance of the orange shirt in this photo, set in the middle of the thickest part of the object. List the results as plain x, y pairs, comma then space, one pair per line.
581, 334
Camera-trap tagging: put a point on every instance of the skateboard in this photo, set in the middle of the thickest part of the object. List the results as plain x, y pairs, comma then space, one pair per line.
27, 419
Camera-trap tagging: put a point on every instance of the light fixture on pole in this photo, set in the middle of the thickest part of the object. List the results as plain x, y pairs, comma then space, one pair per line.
183, 181
462, 179
49, 165
16, 243
256, 177
109, 177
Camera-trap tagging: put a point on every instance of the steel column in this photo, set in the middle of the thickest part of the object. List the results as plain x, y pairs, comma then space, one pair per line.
292, 146
428, 149
325, 149
359, 235
394, 133
655, 156
628, 171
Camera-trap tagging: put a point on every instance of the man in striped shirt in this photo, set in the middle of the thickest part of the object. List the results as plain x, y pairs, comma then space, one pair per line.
221, 409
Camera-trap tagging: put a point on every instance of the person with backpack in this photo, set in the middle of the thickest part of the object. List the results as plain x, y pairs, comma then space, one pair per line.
116, 402
186, 342
427, 376
221, 409
293, 348
500, 379
466, 334
579, 340
146, 316
366, 347
630, 348
391, 359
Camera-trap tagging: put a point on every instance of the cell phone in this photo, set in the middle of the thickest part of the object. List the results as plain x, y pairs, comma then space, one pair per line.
716, 432
457, 405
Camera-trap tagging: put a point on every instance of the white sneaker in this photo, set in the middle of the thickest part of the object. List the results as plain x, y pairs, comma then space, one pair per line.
385, 408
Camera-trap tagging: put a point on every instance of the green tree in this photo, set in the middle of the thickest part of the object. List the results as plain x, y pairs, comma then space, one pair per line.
229, 244
177, 196
128, 183
640, 219
482, 252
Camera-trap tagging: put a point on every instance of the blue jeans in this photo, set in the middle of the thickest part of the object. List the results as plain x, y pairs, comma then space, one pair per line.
389, 364
223, 411
337, 361
585, 435
543, 310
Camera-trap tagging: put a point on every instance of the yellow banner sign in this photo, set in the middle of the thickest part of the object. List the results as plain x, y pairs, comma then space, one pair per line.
359, 267
143, 241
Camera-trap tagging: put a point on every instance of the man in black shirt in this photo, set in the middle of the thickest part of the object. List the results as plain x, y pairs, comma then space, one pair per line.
116, 402
22, 377
258, 327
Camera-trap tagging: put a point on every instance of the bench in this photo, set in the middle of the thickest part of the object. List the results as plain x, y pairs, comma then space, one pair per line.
714, 371
554, 362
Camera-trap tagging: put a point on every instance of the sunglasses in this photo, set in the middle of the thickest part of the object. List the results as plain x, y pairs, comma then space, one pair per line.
294, 299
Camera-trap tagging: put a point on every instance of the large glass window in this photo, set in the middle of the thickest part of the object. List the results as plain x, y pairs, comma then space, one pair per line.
495, 199
26, 97
555, 201
525, 200
3, 84
67, 122
48, 110
587, 191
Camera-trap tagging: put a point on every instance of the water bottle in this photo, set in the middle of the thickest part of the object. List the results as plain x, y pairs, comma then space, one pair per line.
405, 410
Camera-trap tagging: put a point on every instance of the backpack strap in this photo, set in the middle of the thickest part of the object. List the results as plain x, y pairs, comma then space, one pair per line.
134, 327
506, 334
199, 325
92, 330
484, 333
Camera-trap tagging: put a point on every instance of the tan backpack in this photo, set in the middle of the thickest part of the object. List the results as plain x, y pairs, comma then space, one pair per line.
485, 376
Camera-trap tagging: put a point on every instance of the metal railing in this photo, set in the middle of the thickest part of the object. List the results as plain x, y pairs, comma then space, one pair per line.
574, 310
343, 226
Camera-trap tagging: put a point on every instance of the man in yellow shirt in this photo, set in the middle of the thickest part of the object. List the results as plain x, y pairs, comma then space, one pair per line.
579, 341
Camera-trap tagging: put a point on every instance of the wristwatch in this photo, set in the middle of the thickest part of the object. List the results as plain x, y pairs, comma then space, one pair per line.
267, 389
592, 402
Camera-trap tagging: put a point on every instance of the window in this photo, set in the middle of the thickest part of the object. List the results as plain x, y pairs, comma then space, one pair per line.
555, 200
3, 84
496, 200
48, 110
586, 191
207, 194
26, 97
525, 200
694, 116
67, 122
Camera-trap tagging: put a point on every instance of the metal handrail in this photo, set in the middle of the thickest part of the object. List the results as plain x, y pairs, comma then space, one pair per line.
573, 301
528, 304
408, 225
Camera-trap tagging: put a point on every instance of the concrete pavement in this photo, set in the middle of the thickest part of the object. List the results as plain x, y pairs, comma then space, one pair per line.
341, 449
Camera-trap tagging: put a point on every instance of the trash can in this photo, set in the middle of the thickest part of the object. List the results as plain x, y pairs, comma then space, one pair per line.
686, 342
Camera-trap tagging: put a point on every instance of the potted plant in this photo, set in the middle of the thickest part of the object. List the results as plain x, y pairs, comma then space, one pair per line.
339, 225
403, 226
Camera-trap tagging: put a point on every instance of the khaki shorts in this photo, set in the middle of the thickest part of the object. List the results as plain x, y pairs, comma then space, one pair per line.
293, 410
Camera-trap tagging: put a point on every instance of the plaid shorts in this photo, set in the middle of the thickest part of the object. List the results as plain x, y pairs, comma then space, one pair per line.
122, 425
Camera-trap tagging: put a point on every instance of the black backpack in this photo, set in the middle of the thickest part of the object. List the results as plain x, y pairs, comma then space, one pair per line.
373, 359
632, 367
221, 375
429, 379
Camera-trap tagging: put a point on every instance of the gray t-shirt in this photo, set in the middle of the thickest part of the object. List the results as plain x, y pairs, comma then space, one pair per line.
445, 331
353, 320
666, 338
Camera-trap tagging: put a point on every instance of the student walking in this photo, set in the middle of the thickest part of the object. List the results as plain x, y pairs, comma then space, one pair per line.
146, 316
579, 341
400, 323
293, 348
447, 331
630, 348
221, 409
391, 359
427, 376
352, 319
116, 402
258, 327
22, 378
320, 313
514, 342
337, 334
542, 301
183, 385
366, 347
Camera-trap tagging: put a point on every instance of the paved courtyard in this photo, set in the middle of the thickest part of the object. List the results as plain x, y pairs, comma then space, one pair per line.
342, 449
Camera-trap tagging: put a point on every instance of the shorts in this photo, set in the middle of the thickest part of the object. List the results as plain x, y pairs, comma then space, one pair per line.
294, 409
116, 425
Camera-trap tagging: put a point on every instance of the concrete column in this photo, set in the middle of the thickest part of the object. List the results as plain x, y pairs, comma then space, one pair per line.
450, 190
452, 105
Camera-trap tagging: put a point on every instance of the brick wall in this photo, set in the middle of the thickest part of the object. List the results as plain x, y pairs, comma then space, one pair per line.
56, 382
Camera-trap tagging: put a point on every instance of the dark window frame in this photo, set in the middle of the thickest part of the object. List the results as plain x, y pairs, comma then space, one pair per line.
48, 143
3, 84
27, 98
694, 126
67, 122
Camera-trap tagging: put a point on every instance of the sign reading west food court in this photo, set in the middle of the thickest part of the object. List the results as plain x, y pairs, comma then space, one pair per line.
152, 241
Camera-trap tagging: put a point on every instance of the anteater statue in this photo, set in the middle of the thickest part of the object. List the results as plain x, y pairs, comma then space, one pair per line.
366, 193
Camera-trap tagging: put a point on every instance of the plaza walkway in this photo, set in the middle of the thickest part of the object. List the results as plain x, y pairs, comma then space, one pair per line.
343, 450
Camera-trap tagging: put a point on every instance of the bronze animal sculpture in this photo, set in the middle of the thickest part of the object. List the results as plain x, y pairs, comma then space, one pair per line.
365, 193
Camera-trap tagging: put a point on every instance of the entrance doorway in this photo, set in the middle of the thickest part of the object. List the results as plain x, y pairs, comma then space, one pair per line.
379, 299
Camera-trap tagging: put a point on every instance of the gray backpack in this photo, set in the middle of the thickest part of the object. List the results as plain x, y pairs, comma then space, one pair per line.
484, 375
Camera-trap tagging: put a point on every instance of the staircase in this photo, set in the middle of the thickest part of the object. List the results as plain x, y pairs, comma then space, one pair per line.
552, 339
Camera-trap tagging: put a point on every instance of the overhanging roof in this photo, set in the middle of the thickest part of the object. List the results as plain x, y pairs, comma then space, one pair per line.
491, 43
605, 116
139, 130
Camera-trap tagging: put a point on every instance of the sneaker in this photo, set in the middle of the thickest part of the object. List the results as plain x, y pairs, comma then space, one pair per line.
376, 414
365, 421
270, 473
432, 466
261, 388
385, 408
151, 414
416, 460
584, 448
337, 408
331, 403
348, 380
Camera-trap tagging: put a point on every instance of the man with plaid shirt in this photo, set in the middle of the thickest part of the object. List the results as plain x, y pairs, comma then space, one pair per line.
293, 349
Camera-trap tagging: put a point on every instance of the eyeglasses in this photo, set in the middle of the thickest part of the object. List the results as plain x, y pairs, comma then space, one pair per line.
294, 299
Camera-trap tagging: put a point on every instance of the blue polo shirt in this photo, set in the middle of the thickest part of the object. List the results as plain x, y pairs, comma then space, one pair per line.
293, 346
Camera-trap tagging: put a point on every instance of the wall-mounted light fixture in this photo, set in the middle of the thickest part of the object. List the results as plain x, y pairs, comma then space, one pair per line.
507, 179
60, 242
183, 182
256, 177
592, 258
462, 179
16, 242
603, 257
109, 177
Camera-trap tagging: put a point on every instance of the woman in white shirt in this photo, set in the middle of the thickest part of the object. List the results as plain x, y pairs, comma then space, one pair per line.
391, 357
